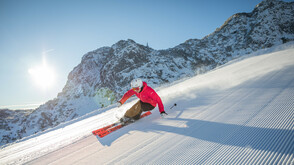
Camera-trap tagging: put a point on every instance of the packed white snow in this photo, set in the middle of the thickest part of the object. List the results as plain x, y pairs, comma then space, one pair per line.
240, 113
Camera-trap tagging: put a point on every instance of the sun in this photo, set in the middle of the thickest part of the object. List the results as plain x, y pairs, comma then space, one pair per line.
43, 75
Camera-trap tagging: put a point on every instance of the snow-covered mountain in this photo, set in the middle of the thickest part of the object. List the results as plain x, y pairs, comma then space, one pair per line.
238, 113
104, 74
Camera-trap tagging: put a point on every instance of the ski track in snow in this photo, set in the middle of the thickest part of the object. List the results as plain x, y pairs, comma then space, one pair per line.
242, 113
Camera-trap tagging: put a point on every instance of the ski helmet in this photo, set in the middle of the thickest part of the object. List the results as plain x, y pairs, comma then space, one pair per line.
137, 83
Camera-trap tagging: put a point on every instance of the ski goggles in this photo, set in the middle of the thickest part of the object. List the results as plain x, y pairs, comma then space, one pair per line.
136, 89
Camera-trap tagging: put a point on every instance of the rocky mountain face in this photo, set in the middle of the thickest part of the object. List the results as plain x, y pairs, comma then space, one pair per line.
104, 74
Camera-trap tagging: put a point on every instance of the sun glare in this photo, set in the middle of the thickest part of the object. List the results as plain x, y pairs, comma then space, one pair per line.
43, 75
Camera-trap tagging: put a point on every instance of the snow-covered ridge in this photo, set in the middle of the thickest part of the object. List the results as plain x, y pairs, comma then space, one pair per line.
104, 74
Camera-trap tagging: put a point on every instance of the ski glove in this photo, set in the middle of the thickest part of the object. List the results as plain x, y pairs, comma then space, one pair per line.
118, 104
163, 113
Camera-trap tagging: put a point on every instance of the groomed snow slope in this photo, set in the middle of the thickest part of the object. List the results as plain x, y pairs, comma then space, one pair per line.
241, 113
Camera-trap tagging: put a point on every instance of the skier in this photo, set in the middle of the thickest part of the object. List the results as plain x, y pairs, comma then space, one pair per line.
148, 101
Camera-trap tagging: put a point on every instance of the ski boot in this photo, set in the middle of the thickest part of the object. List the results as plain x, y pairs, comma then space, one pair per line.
126, 120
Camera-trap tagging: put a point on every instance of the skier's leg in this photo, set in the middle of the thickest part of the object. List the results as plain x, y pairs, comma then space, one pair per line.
134, 111
146, 106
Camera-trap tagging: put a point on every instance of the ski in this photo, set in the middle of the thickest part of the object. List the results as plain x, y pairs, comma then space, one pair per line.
96, 132
113, 127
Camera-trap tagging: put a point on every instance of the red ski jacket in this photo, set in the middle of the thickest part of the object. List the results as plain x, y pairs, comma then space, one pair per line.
147, 95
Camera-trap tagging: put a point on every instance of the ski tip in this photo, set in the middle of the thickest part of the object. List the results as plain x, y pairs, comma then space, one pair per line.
148, 113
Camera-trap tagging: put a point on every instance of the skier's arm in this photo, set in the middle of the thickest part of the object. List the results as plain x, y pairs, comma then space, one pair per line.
160, 105
159, 102
126, 96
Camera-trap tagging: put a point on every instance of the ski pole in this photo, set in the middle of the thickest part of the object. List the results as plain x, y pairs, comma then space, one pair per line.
173, 106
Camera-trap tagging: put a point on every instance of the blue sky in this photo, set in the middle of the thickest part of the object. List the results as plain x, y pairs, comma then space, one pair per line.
60, 32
